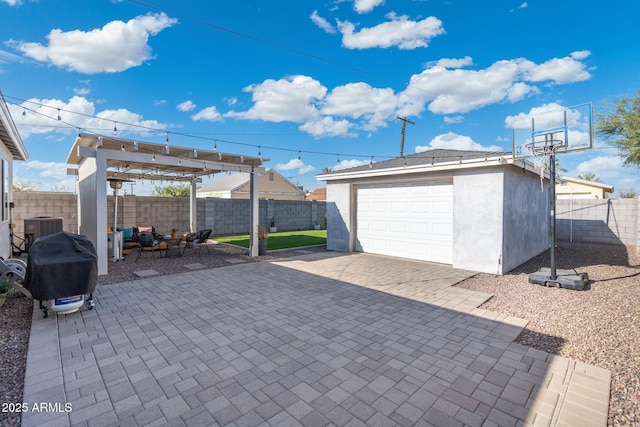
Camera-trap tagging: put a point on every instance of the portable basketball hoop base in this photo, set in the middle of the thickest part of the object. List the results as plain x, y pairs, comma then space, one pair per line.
568, 279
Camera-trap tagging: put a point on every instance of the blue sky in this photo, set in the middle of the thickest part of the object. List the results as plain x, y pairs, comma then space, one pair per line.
310, 84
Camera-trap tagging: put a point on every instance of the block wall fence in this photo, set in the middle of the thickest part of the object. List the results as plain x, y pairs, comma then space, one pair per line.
223, 216
612, 221
615, 221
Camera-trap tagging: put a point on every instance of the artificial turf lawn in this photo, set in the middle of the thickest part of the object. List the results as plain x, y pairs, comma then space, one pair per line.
283, 240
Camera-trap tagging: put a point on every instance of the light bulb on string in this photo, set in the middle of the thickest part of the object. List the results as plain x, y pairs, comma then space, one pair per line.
59, 118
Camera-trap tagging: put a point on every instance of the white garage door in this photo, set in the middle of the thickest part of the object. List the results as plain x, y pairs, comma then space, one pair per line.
406, 220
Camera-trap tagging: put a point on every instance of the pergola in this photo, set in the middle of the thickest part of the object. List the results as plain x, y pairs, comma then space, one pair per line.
101, 158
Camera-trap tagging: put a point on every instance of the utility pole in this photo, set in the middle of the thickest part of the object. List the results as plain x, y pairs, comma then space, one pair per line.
404, 125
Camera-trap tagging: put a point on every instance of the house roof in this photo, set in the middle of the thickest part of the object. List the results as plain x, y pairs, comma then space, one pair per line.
605, 187
318, 194
431, 160
235, 181
226, 183
9, 134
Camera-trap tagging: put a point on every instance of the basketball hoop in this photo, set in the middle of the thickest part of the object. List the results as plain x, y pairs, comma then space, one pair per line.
540, 151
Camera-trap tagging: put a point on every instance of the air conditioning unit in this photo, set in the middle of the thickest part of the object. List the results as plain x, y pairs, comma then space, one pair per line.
40, 226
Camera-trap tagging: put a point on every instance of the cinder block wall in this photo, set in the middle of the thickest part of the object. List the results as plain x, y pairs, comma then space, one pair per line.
223, 216
30, 204
598, 221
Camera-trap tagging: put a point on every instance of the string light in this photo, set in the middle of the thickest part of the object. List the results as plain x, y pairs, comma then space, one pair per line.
146, 128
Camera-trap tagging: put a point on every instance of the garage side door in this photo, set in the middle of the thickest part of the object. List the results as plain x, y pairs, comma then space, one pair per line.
409, 221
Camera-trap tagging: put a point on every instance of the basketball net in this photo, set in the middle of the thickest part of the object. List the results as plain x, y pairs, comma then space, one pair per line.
541, 152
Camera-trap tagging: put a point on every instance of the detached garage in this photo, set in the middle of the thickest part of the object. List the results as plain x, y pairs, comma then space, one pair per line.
474, 210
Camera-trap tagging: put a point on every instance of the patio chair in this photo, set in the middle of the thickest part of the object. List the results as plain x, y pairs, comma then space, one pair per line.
197, 240
149, 242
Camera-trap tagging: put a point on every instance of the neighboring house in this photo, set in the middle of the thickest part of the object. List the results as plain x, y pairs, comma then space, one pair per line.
11, 148
317, 194
574, 188
271, 185
481, 211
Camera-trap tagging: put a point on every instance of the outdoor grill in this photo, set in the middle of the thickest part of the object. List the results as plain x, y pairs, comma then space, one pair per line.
62, 269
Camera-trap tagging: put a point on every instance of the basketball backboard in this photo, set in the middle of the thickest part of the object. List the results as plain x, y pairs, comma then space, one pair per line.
565, 128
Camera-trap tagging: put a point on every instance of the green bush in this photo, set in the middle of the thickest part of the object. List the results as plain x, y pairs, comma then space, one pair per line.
5, 285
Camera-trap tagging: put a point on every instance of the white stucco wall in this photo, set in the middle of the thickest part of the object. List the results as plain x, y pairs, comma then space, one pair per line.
526, 217
339, 217
477, 220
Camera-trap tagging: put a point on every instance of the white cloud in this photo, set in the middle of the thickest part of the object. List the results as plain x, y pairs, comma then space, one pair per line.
346, 164
606, 167
450, 91
295, 164
13, 2
560, 70
455, 62
186, 106
51, 170
40, 117
209, 114
453, 120
453, 141
82, 91
326, 127
359, 106
290, 99
399, 31
322, 23
366, 6
231, 101
113, 48
359, 100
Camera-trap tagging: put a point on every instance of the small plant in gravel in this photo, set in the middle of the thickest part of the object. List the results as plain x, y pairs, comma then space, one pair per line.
5, 285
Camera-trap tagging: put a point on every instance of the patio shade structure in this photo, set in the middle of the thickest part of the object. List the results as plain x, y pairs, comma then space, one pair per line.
100, 158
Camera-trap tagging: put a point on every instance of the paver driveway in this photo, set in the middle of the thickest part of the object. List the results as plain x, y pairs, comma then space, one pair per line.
322, 339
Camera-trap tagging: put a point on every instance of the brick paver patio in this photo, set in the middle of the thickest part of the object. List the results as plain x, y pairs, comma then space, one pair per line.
322, 339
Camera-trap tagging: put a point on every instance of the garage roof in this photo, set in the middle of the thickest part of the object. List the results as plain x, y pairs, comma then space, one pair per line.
437, 159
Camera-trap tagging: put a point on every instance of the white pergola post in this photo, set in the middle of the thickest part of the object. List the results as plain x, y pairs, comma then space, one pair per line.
193, 207
255, 212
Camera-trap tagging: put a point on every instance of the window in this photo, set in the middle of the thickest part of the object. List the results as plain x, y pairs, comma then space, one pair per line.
270, 176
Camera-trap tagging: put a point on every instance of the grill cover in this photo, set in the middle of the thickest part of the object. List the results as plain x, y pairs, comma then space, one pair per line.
61, 265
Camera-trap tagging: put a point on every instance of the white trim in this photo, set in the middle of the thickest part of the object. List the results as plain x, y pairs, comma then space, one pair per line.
442, 166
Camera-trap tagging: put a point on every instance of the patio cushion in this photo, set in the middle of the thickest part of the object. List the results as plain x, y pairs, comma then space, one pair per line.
127, 233
145, 229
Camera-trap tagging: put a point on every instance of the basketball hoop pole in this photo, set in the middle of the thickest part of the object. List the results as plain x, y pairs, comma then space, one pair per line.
552, 215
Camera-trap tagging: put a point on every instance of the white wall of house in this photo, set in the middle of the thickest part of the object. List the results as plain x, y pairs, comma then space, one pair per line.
7, 196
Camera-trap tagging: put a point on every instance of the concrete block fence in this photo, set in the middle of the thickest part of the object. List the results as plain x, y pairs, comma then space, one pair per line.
614, 221
223, 216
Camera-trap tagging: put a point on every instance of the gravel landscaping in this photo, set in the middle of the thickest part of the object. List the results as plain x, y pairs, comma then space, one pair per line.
598, 325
